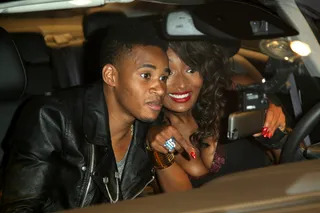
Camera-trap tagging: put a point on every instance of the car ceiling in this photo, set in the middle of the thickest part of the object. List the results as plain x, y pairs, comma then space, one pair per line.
61, 23
315, 4
68, 23
3, 1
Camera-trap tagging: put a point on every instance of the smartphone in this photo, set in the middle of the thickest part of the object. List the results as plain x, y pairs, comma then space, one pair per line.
243, 124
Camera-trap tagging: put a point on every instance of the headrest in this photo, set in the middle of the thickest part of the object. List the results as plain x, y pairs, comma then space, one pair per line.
97, 21
32, 47
12, 74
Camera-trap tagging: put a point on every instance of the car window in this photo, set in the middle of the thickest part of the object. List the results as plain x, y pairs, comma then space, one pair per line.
313, 19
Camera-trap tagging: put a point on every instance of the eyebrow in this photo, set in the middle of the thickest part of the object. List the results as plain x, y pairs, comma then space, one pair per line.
148, 66
167, 70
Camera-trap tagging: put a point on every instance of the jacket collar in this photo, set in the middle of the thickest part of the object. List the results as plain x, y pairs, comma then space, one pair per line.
96, 129
95, 118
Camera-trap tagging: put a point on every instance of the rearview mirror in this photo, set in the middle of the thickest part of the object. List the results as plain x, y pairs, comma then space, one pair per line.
182, 25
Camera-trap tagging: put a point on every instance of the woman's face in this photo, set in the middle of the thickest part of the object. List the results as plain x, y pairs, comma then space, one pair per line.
183, 85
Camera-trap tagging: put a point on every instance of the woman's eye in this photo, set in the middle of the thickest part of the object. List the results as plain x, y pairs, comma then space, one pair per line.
145, 75
190, 71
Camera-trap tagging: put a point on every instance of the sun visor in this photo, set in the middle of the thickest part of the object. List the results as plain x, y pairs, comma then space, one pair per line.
250, 20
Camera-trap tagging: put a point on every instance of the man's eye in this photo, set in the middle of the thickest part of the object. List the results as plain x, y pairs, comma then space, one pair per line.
190, 71
145, 75
164, 78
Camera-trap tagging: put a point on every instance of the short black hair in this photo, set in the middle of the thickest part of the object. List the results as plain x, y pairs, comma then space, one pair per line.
122, 37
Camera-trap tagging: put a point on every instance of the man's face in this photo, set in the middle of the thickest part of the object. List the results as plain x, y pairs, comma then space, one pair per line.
141, 82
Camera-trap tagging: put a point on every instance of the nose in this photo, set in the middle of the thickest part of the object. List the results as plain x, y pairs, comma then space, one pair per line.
180, 81
159, 87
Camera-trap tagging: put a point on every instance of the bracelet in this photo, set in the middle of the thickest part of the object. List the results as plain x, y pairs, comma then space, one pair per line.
162, 161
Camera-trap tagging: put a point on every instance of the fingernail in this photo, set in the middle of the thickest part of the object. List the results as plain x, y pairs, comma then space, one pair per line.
266, 134
270, 135
264, 130
193, 155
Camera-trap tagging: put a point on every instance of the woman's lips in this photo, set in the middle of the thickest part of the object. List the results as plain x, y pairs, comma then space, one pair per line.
180, 97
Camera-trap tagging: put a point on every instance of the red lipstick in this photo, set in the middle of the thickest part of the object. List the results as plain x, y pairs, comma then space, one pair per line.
180, 97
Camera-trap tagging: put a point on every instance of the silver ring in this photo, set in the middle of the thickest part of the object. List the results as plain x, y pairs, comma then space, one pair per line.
170, 144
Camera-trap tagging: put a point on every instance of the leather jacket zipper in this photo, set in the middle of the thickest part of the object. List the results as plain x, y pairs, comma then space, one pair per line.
91, 167
105, 181
143, 188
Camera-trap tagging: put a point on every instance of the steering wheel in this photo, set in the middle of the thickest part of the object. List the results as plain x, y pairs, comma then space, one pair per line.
301, 130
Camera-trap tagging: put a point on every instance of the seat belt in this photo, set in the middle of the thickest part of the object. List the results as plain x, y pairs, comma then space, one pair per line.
296, 103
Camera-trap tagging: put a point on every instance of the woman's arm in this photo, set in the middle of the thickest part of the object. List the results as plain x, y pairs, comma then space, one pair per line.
169, 174
173, 179
195, 167
251, 75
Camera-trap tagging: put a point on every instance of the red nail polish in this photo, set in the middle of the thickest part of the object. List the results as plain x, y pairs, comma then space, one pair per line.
264, 130
269, 135
193, 155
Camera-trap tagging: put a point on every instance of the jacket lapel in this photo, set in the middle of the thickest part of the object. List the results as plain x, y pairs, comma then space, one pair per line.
97, 131
138, 167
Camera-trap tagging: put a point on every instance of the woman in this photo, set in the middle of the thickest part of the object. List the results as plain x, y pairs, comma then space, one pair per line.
193, 109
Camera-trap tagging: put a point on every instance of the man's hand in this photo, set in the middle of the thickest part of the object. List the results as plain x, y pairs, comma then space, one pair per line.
158, 135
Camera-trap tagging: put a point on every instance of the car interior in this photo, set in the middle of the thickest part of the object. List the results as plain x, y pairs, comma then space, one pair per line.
44, 50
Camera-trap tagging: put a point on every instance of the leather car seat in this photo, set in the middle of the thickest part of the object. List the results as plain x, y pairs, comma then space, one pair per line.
13, 83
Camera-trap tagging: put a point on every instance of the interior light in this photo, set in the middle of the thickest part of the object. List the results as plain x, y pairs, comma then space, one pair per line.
300, 48
80, 2
277, 48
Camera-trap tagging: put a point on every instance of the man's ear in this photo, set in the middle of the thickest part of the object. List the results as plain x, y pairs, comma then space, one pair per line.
109, 73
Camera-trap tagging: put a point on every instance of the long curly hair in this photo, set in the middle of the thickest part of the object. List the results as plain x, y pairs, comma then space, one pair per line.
211, 62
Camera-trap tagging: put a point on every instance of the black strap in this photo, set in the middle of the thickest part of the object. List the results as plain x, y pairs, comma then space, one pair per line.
276, 142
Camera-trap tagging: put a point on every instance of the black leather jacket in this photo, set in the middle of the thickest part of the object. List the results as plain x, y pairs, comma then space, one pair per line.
62, 157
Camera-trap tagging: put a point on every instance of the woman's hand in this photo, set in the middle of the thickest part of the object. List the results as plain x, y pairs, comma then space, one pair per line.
275, 118
172, 178
159, 135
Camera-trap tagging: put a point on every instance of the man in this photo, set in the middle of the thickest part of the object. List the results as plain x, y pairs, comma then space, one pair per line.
87, 145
